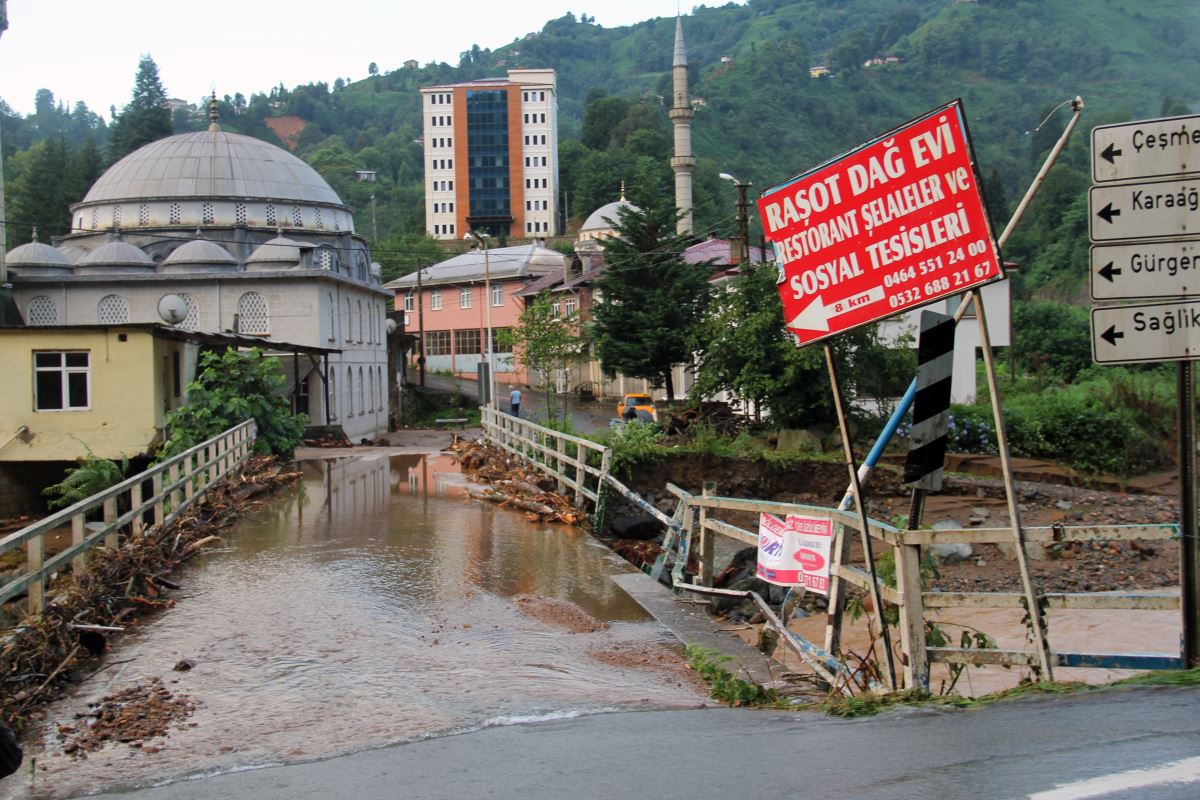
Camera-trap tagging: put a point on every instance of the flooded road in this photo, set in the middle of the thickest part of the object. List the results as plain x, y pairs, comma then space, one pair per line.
373, 604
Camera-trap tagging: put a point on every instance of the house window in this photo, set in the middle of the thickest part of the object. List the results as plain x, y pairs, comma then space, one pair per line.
497, 295
437, 343
61, 380
113, 310
555, 308
252, 314
360, 322
42, 311
332, 319
349, 391
349, 329
497, 345
362, 394
464, 297
435, 300
409, 303
570, 306
466, 342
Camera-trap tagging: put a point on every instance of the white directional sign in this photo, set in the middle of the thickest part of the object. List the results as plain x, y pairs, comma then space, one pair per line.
1145, 269
1144, 210
1153, 148
1149, 332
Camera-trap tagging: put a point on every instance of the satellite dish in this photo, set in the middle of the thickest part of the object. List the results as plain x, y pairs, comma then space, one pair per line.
391, 326
172, 308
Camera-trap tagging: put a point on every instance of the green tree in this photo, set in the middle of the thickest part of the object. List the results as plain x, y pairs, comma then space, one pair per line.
234, 386
543, 342
146, 118
652, 300
43, 190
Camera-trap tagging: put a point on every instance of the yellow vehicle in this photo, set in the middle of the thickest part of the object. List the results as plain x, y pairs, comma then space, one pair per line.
637, 406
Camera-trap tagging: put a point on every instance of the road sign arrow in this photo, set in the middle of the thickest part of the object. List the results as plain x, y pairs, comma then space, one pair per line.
815, 317
1109, 153
1111, 335
1107, 271
1108, 212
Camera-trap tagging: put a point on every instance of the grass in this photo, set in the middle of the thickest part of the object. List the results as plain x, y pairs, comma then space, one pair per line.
868, 704
724, 685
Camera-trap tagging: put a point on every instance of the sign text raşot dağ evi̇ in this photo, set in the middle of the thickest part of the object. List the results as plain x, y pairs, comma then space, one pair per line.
894, 224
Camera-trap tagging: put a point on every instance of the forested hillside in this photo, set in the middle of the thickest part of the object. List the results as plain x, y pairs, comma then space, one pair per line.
760, 115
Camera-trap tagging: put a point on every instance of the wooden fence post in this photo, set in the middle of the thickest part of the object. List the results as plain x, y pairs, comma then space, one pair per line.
707, 543
34, 550
560, 468
79, 562
912, 617
112, 538
156, 484
138, 523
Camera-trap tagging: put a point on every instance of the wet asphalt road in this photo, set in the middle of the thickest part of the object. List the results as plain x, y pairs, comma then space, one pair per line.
1031, 748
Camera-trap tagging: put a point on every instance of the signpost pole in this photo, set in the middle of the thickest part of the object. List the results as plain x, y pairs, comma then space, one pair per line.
1189, 551
1036, 622
890, 676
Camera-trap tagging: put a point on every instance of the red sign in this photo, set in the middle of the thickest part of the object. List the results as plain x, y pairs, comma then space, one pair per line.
895, 224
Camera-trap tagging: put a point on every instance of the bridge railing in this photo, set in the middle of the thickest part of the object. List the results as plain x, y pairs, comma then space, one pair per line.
153, 497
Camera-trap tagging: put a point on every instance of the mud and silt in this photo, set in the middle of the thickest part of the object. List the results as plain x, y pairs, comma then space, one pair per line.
374, 603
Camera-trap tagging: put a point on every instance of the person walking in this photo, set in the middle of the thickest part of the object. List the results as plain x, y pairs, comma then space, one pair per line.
514, 400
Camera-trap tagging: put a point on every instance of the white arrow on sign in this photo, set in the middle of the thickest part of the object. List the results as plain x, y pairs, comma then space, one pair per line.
1148, 332
1157, 210
1150, 148
1145, 269
816, 315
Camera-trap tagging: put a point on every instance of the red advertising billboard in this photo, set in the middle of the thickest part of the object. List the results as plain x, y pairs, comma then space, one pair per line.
892, 225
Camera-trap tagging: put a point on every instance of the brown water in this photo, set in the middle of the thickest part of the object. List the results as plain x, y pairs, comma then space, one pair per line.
373, 604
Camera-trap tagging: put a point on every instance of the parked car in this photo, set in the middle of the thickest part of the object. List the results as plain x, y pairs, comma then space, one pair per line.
637, 405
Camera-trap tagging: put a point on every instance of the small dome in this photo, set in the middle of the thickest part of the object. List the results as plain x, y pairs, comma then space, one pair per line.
202, 255
38, 258
278, 253
114, 257
596, 221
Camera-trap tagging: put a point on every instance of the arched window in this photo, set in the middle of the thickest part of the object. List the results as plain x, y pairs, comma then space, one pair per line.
113, 310
333, 395
349, 390
332, 321
252, 314
349, 328
360, 323
362, 394
382, 404
192, 321
371, 394
42, 311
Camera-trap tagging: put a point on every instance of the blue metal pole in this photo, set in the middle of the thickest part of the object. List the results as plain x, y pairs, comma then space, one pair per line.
885, 436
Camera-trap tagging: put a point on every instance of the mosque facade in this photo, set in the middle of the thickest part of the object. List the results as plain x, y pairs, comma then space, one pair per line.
251, 239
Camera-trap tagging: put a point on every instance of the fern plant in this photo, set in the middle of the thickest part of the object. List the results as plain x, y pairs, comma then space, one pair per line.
92, 476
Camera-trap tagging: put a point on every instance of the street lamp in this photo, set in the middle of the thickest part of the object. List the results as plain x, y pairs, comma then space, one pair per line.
743, 216
487, 304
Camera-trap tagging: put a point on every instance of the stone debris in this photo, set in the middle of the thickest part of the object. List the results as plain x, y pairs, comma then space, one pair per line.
131, 716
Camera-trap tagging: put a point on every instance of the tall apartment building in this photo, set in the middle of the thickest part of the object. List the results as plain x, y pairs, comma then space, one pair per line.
491, 156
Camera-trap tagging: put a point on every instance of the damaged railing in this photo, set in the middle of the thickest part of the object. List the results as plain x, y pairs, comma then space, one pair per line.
154, 497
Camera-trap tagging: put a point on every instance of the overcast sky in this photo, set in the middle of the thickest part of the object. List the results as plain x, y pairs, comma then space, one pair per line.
89, 49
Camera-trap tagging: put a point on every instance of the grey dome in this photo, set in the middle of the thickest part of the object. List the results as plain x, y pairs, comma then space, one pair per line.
115, 257
596, 220
40, 258
278, 253
211, 164
201, 255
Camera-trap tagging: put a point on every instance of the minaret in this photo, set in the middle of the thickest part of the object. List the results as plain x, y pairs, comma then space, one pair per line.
681, 114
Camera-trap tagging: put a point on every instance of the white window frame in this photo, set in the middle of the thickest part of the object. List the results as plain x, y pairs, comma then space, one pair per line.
497, 296
65, 372
464, 297
435, 300
410, 302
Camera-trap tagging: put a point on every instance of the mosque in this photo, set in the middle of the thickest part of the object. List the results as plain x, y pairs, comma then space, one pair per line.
252, 242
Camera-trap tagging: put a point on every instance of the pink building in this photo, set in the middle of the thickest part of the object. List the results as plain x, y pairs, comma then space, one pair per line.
449, 311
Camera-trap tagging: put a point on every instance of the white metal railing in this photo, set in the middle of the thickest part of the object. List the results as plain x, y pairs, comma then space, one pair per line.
174, 485
566, 458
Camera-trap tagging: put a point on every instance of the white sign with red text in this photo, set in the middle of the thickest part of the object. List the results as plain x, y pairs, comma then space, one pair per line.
795, 551
896, 223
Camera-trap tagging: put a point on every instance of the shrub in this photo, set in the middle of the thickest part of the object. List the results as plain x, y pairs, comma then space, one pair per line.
92, 476
234, 386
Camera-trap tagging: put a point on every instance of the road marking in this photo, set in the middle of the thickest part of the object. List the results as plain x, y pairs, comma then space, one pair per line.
1186, 771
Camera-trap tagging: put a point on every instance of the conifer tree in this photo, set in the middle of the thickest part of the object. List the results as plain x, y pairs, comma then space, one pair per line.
146, 118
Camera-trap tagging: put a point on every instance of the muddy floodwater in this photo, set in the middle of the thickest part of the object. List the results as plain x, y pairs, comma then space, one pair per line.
372, 604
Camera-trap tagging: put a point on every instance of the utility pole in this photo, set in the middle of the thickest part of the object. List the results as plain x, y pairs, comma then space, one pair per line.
420, 327
743, 217
487, 300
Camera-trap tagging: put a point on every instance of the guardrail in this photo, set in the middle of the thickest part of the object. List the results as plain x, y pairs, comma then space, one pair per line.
566, 458
154, 497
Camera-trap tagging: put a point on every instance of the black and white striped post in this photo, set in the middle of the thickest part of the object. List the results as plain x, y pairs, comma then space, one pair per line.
924, 466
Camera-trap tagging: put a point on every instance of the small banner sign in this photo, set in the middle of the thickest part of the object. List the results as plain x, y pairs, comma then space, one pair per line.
795, 551
931, 409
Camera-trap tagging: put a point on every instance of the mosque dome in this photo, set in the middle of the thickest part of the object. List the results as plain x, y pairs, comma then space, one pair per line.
39, 258
278, 253
201, 255
113, 257
596, 225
